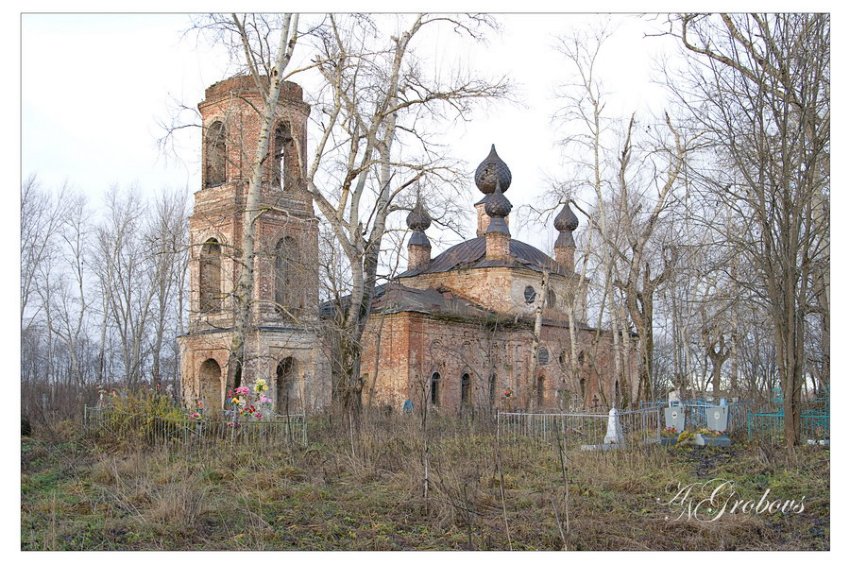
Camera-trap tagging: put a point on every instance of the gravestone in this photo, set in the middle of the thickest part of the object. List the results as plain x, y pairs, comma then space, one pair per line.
674, 417
717, 418
614, 434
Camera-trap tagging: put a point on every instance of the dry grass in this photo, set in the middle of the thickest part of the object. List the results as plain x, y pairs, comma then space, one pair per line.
367, 494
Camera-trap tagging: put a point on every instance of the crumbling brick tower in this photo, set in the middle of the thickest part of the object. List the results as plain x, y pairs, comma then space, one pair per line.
282, 345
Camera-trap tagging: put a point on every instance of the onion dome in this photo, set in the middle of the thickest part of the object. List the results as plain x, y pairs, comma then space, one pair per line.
418, 218
497, 206
491, 171
566, 222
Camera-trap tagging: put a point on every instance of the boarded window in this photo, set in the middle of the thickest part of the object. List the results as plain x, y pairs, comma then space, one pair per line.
210, 276
216, 148
288, 289
209, 380
543, 355
285, 386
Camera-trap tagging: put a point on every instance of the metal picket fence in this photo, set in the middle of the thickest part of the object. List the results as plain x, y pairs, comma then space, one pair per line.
814, 421
579, 428
770, 426
185, 432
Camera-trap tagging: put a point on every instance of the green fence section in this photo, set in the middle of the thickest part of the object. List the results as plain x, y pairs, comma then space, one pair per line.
814, 421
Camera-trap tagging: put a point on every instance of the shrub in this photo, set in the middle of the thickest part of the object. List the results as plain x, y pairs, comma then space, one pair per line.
141, 416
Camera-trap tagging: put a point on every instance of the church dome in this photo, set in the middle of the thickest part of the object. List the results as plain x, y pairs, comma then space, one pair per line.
418, 218
470, 254
566, 219
492, 169
566, 222
497, 205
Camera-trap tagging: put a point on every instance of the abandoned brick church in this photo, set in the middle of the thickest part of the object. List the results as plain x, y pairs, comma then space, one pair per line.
489, 323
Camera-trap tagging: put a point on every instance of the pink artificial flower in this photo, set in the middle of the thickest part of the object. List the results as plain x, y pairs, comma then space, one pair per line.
258, 415
265, 400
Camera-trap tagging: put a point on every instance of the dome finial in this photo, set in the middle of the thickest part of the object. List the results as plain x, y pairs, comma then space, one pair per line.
497, 206
492, 170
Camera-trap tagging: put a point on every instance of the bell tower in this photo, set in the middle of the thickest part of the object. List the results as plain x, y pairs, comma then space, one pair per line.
282, 345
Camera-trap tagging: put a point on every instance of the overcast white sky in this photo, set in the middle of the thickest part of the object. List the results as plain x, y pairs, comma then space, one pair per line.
96, 86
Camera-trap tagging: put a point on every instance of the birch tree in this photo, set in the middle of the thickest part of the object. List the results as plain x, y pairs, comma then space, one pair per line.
630, 178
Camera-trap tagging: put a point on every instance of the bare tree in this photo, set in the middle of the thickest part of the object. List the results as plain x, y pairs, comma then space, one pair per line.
124, 274
168, 248
376, 103
631, 181
758, 89
41, 219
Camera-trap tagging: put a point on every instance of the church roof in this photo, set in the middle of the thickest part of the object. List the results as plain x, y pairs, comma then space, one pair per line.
470, 254
394, 298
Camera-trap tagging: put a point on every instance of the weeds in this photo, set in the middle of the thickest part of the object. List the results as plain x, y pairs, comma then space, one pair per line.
365, 492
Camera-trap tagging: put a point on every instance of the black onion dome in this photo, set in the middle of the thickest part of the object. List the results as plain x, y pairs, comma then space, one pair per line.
497, 205
418, 218
566, 220
491, 170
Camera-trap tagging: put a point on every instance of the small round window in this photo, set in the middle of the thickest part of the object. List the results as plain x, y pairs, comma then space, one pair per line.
530, 294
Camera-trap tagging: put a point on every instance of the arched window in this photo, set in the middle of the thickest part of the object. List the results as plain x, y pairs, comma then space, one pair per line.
285, 386
465, 389
492, 391
210, 276
216, 148
209, 379
281, 165
543, 355
541, 389
288, 290
617, 393
551, 299
435, 389
581, 385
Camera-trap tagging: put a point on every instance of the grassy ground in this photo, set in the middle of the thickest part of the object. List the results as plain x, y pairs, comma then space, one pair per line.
366, 493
